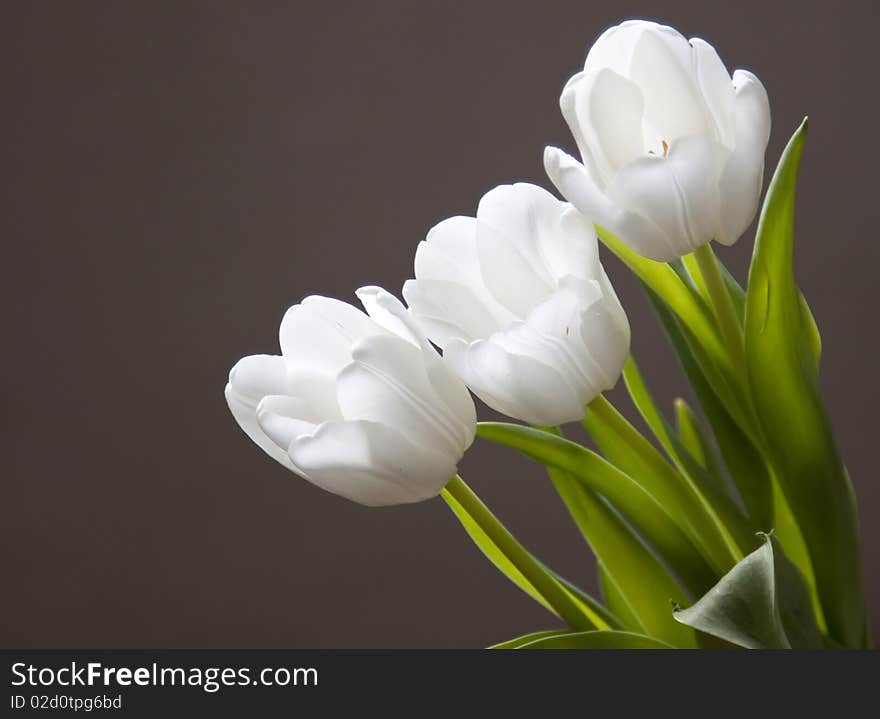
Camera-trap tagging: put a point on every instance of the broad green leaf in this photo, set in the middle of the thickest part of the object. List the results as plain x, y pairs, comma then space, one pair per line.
781, 351
744, 461
625, 447
644, 585
517, 642
495, 555
762, 603
596, 640
634, 502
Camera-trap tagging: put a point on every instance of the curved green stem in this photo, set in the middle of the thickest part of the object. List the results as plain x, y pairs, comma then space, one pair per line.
541, 579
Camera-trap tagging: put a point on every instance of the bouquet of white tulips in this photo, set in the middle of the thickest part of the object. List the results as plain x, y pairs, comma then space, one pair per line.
736, 525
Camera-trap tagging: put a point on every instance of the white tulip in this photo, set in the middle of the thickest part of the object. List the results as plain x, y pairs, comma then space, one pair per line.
672, 146
362, 406
521, 306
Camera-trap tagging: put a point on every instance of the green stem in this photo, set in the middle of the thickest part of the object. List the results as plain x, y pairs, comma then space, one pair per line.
540, 578
643, 462
723, 307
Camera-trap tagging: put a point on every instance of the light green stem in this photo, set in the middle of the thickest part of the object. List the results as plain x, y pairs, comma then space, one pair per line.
540, 578
723, 307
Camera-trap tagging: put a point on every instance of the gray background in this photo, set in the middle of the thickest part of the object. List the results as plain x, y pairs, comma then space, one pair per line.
177, 174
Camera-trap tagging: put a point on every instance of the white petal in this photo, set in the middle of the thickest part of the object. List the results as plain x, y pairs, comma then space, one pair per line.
449, 254
516, 385
319, 333
371, 463
575, 184
614, 48
387, 382
743, 176
251, 379
549, 234
605, 334
716, 88
610, 110
387, 311
510, 276
568, 106
282, 419
662, 67
446, 309
678, 193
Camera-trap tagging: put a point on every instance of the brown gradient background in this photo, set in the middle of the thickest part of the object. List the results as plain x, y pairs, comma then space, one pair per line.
177, 174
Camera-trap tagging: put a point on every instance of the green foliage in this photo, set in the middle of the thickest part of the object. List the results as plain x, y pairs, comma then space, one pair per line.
762, 603
782, 351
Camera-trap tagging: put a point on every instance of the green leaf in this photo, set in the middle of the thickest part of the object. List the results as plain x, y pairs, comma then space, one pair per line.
498, 557
625, 447
596, 640
743, 459
644, 586
636, 504
615, 601
814, 339
691, 433
517, 642
781, 352
762, 603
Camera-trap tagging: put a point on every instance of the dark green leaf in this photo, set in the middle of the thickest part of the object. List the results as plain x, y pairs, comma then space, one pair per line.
762, 603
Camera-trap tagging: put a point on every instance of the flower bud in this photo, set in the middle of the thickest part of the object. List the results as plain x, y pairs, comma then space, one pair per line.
359, 404
521, 306
672, 147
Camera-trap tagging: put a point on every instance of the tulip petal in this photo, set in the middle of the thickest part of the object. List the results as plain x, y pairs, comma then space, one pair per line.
282, 419
447, 309
610, 110
679, 193
251, 379
662, 67
388, 382
742, 178
516, 385
575, 184
716, 89
449, 254
387, 311
511, 272
614, 48
319, 332
370, 463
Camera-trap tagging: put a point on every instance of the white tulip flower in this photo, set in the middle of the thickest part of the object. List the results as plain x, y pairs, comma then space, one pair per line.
521, 306
359, 404
672, 146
